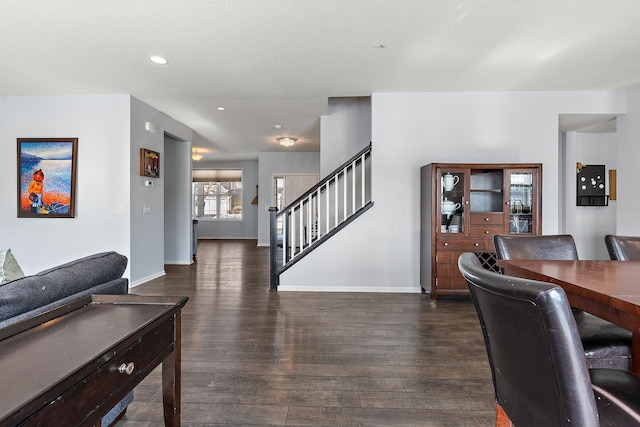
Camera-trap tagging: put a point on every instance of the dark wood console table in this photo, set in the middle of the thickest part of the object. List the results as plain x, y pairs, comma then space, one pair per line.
71, 365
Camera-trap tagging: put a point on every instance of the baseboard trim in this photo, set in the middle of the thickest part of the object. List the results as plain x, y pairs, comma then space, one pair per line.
378, 290
227, 238
174, 262
146, 279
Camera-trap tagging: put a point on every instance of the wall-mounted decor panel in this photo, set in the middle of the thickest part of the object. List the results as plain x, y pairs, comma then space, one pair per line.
591, 185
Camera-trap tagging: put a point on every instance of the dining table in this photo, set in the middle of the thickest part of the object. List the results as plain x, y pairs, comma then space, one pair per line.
607, 289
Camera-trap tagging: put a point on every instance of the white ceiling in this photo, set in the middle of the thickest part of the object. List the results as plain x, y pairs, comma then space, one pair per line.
277, 61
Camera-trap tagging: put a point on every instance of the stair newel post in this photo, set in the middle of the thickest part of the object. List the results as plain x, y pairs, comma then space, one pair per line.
273, 249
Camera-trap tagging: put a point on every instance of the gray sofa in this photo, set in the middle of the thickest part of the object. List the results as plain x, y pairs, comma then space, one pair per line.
29, 296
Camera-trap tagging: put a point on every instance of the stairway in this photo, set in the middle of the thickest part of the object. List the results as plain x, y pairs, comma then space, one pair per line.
319, 213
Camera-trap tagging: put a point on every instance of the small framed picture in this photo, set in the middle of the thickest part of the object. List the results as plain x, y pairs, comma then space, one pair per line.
149, 163
47, 177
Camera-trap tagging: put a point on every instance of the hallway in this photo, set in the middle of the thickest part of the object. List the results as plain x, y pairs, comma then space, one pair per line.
255, 357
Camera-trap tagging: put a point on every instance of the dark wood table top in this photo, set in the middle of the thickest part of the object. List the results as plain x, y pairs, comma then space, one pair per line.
597, 280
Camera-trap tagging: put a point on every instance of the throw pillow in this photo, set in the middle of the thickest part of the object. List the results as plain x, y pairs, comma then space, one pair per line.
9, 267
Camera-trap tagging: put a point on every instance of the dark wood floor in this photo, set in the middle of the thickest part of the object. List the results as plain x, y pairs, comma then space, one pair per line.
254, 357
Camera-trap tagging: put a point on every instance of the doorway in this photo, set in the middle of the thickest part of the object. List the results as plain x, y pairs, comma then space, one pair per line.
587, 139
287, 188
177, 222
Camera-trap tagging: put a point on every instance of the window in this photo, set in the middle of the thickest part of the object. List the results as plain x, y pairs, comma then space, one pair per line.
217, 193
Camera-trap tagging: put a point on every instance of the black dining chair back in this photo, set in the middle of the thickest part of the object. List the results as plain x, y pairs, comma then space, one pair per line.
623, 248
606, 345
539, 371
552, 247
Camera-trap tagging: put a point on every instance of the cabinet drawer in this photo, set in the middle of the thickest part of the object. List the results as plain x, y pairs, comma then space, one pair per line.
491, 218
487, 231
460, 244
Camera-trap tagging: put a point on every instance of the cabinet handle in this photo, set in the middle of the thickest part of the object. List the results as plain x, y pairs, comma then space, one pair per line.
446, 244
486, 219
476, 244
486, 231
126, 368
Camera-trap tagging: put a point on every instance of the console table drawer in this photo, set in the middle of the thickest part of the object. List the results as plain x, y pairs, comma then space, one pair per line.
118, 375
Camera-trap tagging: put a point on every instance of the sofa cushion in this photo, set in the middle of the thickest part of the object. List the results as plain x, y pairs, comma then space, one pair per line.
31, 292
9, 267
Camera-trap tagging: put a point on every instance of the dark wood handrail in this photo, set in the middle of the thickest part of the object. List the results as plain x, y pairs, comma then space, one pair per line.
326, 178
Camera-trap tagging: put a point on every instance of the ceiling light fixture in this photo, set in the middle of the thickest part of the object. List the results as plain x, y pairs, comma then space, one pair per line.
158, 60
196, 156
286, 141
221, 108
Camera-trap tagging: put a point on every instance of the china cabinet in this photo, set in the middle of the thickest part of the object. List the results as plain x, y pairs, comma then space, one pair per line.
462, 207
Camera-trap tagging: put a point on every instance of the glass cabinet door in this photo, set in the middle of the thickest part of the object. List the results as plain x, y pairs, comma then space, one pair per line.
521, 201
452, 201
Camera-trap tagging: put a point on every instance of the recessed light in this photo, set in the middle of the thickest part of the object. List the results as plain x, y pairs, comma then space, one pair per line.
277, 126
159, 60
221, 108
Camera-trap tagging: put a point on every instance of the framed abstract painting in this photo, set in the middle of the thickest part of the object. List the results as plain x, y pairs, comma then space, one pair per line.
47, 177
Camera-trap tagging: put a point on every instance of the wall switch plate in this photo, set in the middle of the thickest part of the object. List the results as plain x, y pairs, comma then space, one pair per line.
146, 209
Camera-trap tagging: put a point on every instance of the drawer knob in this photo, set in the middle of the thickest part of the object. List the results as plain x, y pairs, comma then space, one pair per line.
486, 231
446, 244
126, 368
476, 244
486, 219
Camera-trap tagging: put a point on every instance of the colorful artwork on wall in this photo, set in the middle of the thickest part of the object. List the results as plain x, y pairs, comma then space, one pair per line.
47, 177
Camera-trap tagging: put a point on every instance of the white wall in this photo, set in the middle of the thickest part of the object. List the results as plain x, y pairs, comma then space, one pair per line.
177, 202
344, 131
410, 130
270, 164
628, 132
247, 228
589, 224
110, 191
380, 251
101, 124
147, 256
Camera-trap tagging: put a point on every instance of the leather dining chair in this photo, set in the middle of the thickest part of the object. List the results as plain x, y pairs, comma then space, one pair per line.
553, 247
623, 248
539, 372
606, 345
